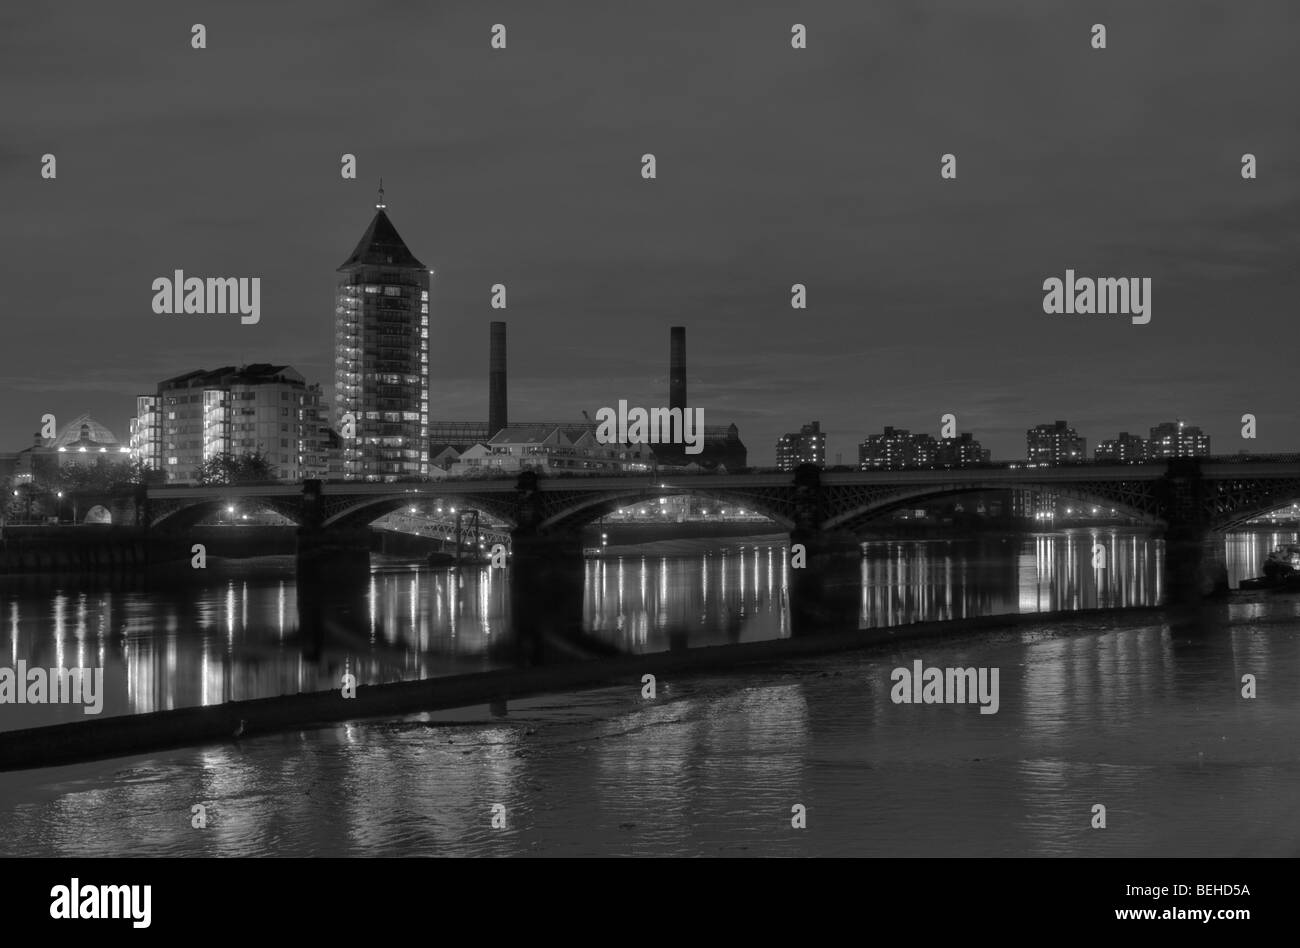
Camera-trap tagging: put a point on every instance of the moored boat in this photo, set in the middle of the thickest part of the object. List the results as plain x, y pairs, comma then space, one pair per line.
1281, 570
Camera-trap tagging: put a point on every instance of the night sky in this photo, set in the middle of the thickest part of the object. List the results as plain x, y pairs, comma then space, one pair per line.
775, 166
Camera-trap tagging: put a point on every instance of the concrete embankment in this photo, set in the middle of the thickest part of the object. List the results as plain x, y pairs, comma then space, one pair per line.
144, 733
75, 550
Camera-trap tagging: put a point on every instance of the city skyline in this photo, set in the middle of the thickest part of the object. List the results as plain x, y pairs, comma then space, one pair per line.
912, 312
1168, 439
741, 430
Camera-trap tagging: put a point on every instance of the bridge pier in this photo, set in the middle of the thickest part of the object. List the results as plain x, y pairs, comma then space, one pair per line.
329, 554
1195, 565
546, 592
333, 553
546, 579
826, 591
1195, 574
333, 579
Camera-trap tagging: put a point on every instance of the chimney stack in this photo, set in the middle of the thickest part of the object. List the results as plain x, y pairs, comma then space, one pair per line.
497, 379
677, 369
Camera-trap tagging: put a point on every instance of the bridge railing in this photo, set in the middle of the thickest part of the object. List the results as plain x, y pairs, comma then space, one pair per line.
675, 473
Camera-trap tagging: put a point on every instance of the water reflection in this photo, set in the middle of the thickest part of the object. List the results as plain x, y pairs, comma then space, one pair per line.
251, 635
1114, 713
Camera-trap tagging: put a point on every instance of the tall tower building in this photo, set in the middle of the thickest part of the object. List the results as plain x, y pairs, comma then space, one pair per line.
381, 356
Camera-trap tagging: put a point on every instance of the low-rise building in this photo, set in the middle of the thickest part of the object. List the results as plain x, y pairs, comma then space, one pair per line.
1126, 449
805, 446
252, 409
1054, 444
896, 449
551, 449
961, 451
1176, 439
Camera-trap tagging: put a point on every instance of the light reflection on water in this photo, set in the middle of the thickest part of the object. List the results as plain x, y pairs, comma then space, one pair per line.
240, 637
1113, 711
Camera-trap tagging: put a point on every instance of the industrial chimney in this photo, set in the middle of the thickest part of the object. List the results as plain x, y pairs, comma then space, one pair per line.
677, 369
497, 379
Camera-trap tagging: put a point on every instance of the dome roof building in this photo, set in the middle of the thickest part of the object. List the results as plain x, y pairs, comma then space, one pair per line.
85, 441
81, 442
85, 431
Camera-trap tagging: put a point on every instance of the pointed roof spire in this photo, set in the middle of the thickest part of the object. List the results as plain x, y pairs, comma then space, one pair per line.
381, 245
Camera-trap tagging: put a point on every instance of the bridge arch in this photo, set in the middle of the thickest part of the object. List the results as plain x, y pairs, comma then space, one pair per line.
1235, 502
362, 512
181, 516
575, 511
98, 513
1140, 507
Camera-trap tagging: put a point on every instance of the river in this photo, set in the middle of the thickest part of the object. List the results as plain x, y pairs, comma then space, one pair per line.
1115, 711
